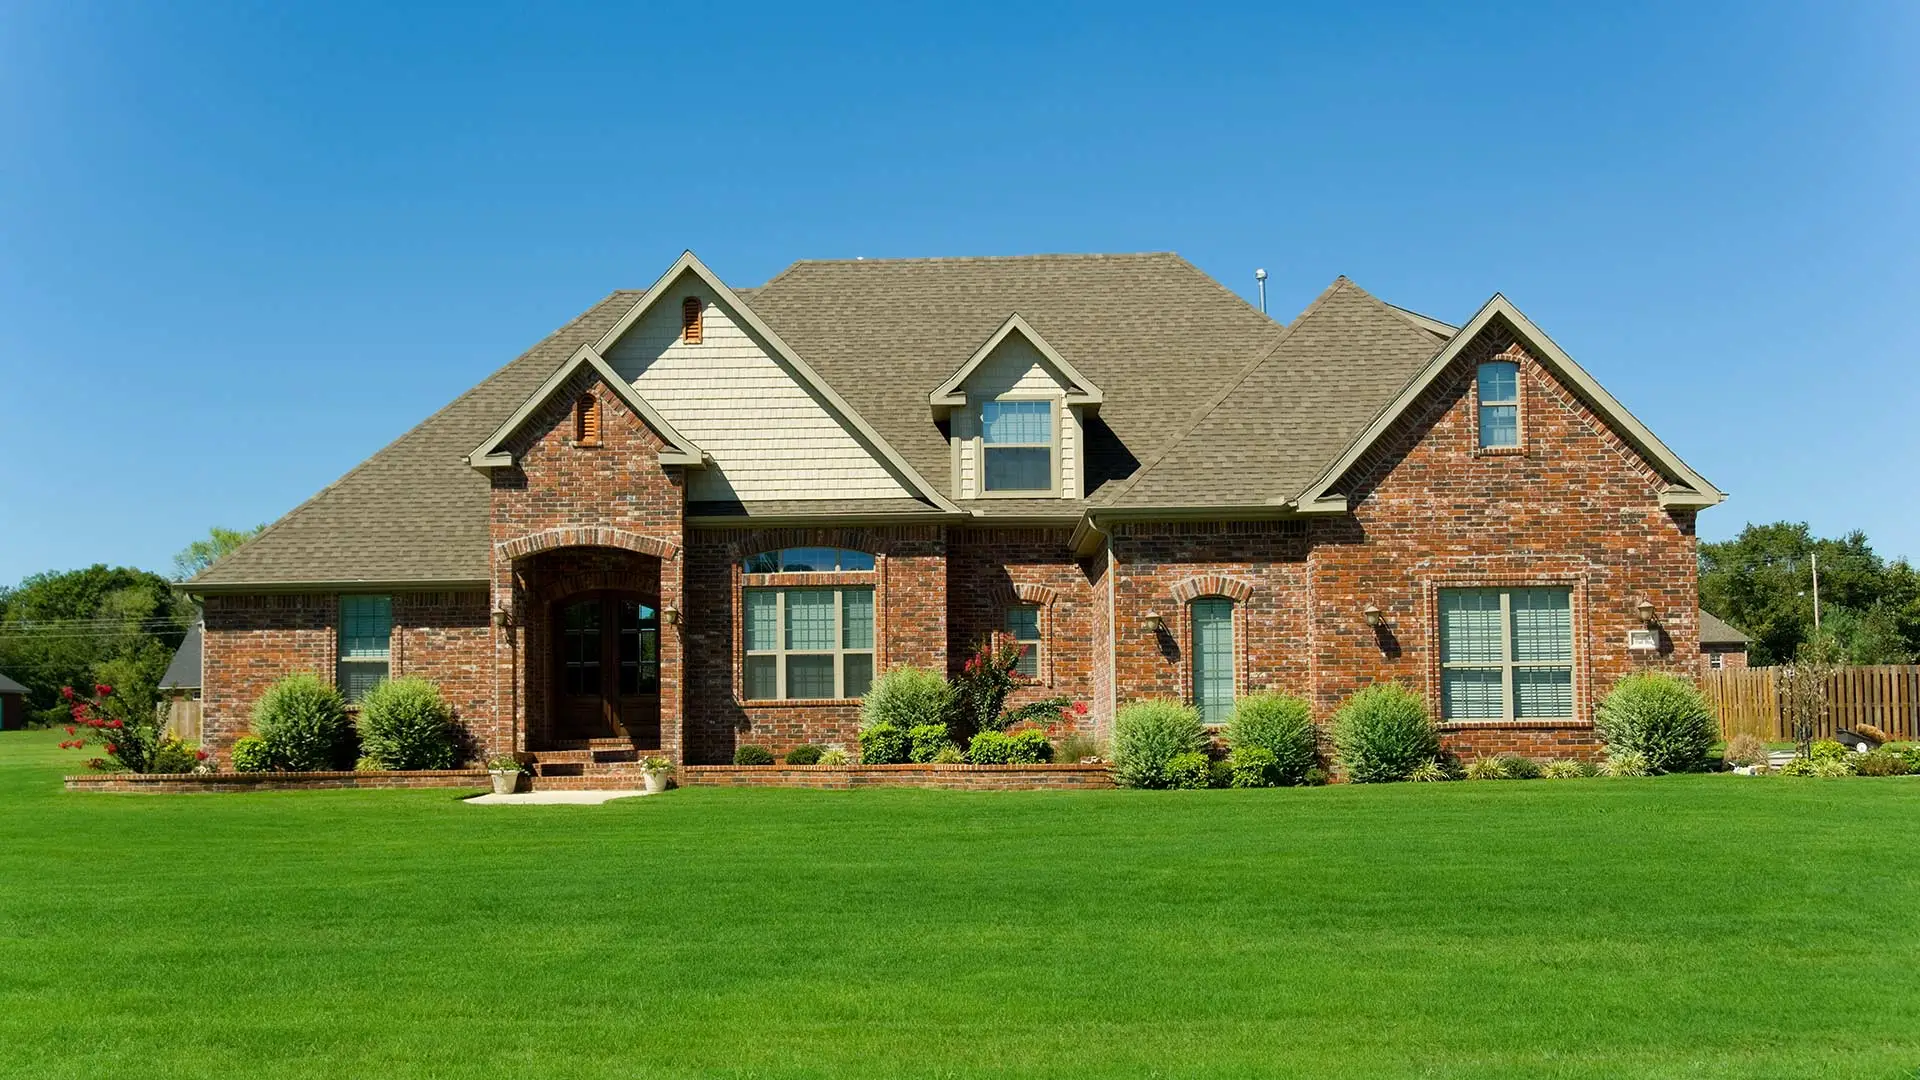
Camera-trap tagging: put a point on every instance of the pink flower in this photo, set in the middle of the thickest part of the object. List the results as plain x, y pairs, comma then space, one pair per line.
70, 730
66, 693
1079, 708
200, 755
102, 690
112, 749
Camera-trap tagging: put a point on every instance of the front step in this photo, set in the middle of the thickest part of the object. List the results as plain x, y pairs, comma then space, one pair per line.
577, 759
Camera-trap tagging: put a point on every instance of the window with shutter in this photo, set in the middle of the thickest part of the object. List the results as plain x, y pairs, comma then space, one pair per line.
586, 421
690, 319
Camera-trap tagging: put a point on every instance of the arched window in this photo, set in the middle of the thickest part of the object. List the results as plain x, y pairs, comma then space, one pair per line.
808, 560
808, 641
1212, 620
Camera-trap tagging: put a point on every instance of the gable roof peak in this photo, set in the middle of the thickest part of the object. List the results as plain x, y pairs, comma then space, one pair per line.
678, 449
1080, 390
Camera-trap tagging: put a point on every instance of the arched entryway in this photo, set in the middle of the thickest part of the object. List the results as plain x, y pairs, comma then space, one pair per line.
606, 668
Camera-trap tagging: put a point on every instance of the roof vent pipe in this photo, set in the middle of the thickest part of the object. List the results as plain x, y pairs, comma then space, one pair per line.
1261, 277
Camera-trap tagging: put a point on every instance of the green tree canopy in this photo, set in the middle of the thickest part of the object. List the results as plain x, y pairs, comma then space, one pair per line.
1762, 582
74, 628
201, 554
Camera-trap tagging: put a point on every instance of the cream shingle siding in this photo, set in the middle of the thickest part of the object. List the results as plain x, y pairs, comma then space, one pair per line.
1015, 370
768, 435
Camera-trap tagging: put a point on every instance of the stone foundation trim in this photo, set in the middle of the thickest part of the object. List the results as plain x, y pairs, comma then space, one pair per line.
181, 783
949, 777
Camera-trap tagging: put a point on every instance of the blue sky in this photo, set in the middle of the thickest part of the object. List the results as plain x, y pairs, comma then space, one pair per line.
242, 247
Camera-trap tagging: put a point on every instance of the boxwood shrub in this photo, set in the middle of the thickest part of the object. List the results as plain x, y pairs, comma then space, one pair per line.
250, 754
1148, 735
1383, 733
804, 754
1661, 717
1280, 724
750, 754
883, 744
406, 724
304, 723
1253, 766
1189, 770
906, 698
925, 741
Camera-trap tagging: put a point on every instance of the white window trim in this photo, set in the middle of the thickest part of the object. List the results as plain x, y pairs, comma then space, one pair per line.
978, 415
780, 652
1507, 665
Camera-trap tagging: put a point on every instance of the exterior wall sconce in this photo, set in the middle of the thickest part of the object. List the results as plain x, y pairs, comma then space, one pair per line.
1375, 617
1156, 624
502, 618
670, 615
1645, 608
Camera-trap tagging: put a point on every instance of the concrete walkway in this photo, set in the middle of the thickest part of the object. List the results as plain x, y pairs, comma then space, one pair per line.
553, 798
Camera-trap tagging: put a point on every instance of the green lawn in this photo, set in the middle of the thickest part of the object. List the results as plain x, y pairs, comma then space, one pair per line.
1687, 926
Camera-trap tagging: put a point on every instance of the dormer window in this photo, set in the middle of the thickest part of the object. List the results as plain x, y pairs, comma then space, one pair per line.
1018, 444
1499, 384
690, 320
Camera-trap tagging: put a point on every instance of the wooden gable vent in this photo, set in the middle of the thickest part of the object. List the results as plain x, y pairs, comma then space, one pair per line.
690, 328
586, 421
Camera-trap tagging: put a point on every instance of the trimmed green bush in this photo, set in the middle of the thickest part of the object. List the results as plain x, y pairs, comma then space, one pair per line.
1282, 725
805, 754
1383, 733
1881, 762
883, 744
406, 724
1625, 763
174, 756
1661, 717
1316, 777
304, 723
925, 741
752, 755
1189, 770
1030, 747
250, 754
1253, 766
906, 698
990, 748
1148, 735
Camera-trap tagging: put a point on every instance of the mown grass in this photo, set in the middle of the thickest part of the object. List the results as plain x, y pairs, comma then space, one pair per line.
1684, 926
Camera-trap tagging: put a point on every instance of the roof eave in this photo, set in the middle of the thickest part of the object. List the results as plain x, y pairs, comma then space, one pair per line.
350, 585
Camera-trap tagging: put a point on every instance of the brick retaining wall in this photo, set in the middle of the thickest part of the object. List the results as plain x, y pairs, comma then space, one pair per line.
950, 777
178, 783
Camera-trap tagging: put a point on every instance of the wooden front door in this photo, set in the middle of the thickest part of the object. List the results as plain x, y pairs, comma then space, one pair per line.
607, 669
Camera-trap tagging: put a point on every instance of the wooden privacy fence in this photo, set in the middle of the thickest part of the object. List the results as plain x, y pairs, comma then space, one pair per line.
1751, 701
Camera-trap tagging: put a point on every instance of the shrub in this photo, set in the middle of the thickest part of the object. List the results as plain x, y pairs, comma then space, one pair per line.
1625, 763
950, 755
1148, 735
1486, 768
1911, 754
925, 741
1431, 772
1219, 773
985, 682
1567, 770
1832, 767
905, 698
250, 754
883, 744
305, 725
1383, 733
1881, 762
1519, 767
127, 733
367, 764
1189, 770
174, 756
1316, 777
752, 755
1252, 766
834, 757
406, 724
1828, 750
1798, 767
1029, 747
1661, 717
805, 754
1746, 748
1280, 724
1079, 746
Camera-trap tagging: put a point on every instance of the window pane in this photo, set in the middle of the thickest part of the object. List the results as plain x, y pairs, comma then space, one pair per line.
1471, 694
761, 678
1499, 381
810, 676
366, 625
809, 621
859, 673
1023, 622
1543, 692
1542, 624
1019, 470
808, 560
358, 676
767, 562
855, 560
1470, 626
1017, 422
763, 620
1499, 425
856, 619
1213, 659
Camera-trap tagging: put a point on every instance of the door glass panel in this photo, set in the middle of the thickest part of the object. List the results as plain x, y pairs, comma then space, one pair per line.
580, 647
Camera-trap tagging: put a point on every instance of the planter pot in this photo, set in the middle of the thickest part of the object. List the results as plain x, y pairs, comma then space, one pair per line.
656, 782
505, 780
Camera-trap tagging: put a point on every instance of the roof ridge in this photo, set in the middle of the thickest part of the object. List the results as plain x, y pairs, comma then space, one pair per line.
1221, 286
410, 432
1027, 257
1213, 404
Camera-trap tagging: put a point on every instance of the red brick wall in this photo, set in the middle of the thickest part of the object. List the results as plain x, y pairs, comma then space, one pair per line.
990, 569
445, 636
250, 643
910, 627
1731, 659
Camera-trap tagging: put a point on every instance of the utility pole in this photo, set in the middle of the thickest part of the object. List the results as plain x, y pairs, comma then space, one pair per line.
1816, 592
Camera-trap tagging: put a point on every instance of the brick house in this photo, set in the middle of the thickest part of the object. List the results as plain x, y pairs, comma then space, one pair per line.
1722, 647
697, 516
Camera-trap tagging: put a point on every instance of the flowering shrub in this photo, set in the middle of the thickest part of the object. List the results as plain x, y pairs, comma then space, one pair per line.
130, 741
986, 680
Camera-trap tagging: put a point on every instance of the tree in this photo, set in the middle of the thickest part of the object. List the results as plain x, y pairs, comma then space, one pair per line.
116, 625
200, 554
1762, 582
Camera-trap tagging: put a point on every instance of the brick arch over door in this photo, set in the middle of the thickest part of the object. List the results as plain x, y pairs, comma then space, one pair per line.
587, 536
1201, 587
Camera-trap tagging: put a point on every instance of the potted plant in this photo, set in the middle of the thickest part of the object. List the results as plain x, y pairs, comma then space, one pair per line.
656, 770
506, 771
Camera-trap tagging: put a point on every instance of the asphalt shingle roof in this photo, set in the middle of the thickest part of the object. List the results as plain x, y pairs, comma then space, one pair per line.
1717, 631
183, 671
8, 686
